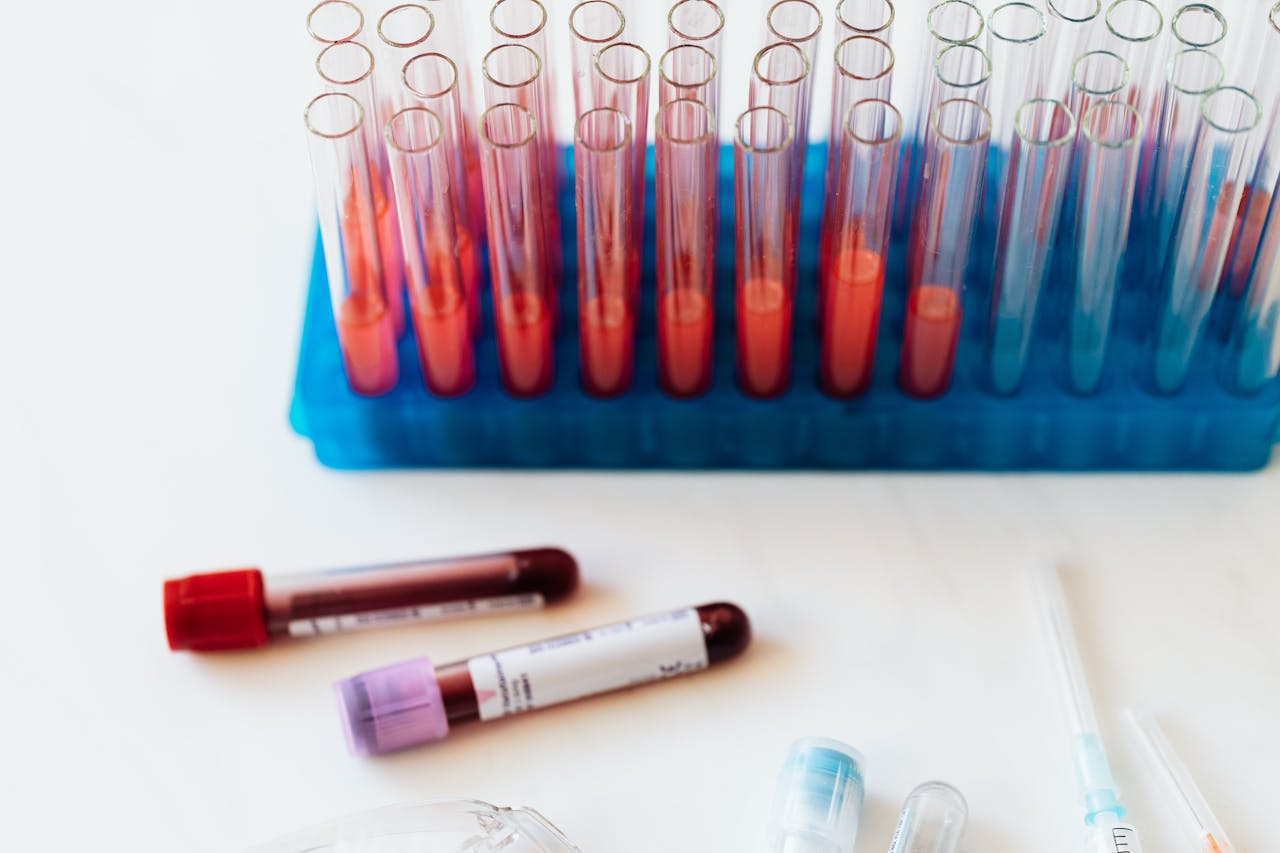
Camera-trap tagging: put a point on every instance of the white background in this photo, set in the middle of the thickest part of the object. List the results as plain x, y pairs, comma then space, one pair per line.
156, 230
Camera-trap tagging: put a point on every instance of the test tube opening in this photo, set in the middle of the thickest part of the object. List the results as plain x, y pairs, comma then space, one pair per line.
686, 122
597, 21
604, 129
961, 121
335, 21
1231, 109
764, 130
1045, 123
956, 22
864, 57
687, 66
430, 75
1017, 23
1112, 124
511, 66
874, 122
866, 17
518, 19
1100, 73
414, 130
1275, 17
1076, 11
406, 25
1134, 21
794, 20
1200, 25
623, 63
781, 64
695, 20
1195, 72
507, 126
334, 115
962, 66
345, 63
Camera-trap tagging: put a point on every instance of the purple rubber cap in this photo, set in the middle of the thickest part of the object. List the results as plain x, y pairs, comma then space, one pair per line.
392, 708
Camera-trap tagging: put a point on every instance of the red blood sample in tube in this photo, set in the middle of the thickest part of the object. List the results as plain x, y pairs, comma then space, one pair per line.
685, 324
468, 263
606, 336
764, 337
1248, 234
929, 340
851, 292
367, 338
524, 344
443, 331
413, 702
240, 609
392, 255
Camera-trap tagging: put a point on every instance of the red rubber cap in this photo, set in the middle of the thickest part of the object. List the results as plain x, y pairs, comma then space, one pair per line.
215, 612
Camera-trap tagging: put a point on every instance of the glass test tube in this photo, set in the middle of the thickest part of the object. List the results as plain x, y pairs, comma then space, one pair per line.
865, 18
432, 81
798, 23
404, 32
955, 161
347, 67
699, 22
423, 179
1133, 29
1107, 170
1199, 25
1253, 354
764, 254
1097, 76
853, 281
688, 72
335, 20
1073, 23
592, 25
346, 201
518, 266
603, 173
1224, 157
1029, 204
687, 177
932, 820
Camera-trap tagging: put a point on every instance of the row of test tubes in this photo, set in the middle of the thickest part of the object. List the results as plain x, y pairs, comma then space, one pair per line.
1082, 150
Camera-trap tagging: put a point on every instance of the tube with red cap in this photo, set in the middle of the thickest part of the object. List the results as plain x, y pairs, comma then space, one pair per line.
242, 609
413, 702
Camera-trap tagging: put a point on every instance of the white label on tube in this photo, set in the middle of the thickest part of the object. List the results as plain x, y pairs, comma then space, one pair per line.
418, 613
595, 661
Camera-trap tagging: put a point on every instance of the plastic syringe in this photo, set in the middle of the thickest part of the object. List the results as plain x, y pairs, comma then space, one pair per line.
1106, 831
1198, 820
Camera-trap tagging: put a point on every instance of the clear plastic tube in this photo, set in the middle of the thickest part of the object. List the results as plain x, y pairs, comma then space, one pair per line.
423, 178
687, 221
433, 82
932, 821
1224, 157
606, 317
865, 18
1107, 169
688, 72
853, 281
518, 266
1029, 204
346, 201
592, 25
348, 68
1253, 355
335, 20
954, 167
765, 249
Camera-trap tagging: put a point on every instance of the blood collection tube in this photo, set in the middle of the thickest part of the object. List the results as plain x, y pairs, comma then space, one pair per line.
1106, 174
1029, 203
688, 72
764, 178
433, 82
865, 18
954, 164
603, 174
853, 280
592, 25
243, 609
817, 804
347, 67
413, 702
687, 221
333, 21
438, 298
932, 821
347, 204
517, 249
1223, 161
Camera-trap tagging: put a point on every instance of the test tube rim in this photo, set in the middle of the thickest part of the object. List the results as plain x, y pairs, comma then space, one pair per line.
1274, 17
359, 122
1068, 135
983, 136
817, 30
844, 72
937, 66
344, 44
1231, 90
525, 140
712, 126
404, 76
626, 137
1054, 10
804, 64
623, 81
439, 131
1086, 126
787, 137
537, 66
671, 22
622, 22
493, 22
1199, 7
359, 20
1044, 23
431, 25
933, 30
1199, 51
662, 66
881, 102
1132, 39
947, 788
893, 14
1102, 93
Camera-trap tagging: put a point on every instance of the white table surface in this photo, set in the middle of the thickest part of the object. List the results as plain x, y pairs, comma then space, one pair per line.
157, 230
